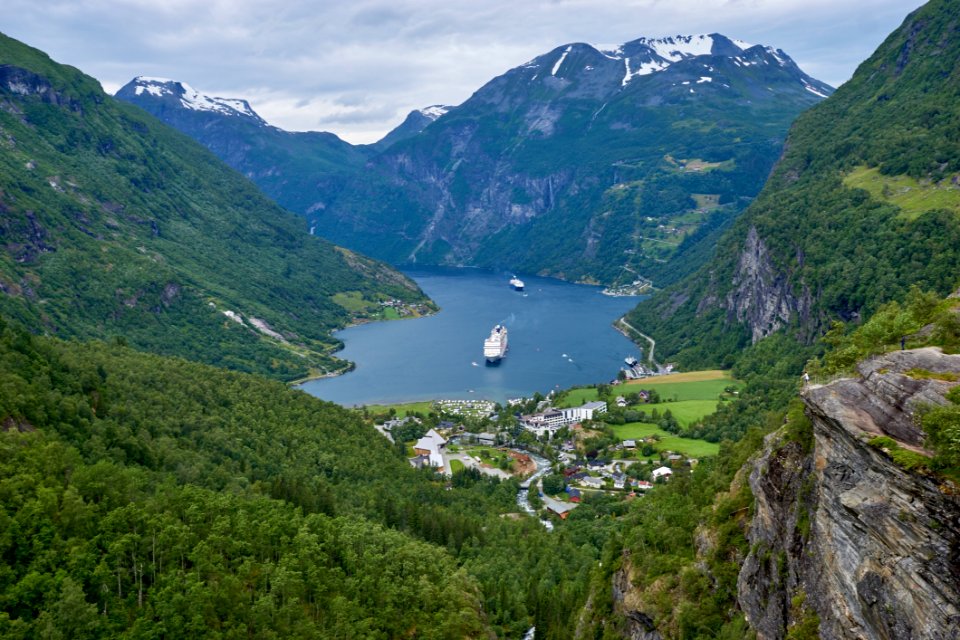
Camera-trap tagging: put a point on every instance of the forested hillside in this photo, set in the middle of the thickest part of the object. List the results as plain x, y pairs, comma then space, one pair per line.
863, 204
112, 224
146, 495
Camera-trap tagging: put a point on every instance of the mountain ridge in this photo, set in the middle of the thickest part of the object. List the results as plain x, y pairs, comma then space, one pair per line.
473, 186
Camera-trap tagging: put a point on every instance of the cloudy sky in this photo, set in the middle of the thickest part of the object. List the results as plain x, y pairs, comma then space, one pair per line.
356, 67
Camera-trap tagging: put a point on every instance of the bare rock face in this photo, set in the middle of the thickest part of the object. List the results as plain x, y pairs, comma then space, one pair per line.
762, 297
768, 579
21, 82
842, 532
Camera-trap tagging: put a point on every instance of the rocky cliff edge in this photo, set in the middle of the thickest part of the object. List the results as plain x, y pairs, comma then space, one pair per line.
844, 542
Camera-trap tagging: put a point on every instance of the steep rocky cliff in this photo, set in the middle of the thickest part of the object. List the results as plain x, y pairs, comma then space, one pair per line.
762, 297
844, 541
627, 604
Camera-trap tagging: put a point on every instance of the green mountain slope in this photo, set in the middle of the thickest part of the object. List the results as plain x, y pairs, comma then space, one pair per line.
860, 208
582, 163
290, 167
115, 225
862, 205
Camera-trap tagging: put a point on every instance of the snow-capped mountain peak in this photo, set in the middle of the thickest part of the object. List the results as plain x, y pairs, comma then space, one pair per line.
675, 48
190, 98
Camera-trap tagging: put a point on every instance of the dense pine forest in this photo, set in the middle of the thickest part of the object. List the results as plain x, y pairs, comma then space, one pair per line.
143, 495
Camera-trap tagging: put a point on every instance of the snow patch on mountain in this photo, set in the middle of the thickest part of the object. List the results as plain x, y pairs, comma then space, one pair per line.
645, 68
152, 89
814, 90
678, 48
559, 63
776, 53
662, 52
435, 111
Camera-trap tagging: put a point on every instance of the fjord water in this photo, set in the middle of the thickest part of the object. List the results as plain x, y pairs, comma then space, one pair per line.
560, 335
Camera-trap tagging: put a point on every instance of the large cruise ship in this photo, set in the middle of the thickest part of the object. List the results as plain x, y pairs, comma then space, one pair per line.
495, 347
516, 283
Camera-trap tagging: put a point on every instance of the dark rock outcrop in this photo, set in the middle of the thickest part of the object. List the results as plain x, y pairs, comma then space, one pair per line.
637, 625
22, 82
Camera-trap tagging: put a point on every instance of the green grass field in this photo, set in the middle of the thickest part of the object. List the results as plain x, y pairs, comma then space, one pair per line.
706, 390
576, 397
403, 409
482, 452
456, 465
695, 385
353, 301
668, 441
695, 393
685, 411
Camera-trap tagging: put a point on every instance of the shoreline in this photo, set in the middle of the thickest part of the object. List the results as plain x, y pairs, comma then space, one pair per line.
350, 364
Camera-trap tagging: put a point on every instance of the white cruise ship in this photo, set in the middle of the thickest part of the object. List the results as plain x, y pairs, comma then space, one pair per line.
516, 283
495, 347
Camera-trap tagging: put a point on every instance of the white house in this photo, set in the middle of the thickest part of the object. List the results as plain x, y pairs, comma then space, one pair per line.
431, 445
550, 421
662, 472
593, 483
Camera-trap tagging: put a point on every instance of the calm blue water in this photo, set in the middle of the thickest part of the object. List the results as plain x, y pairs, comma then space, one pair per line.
431, 358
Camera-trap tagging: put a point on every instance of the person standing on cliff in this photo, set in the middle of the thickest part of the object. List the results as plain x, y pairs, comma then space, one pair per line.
806, 378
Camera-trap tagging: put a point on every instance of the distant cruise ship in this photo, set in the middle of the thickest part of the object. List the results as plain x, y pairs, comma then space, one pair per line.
516, 283
495, 347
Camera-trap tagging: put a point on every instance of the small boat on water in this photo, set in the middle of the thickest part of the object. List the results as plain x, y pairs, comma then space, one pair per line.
516, 283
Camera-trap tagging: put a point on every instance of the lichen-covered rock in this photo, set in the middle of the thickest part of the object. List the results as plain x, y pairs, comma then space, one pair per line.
872, 549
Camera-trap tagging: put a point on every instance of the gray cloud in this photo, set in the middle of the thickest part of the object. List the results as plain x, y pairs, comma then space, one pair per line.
356, 68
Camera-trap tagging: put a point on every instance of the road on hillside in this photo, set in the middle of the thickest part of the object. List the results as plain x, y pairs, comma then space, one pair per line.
653, 343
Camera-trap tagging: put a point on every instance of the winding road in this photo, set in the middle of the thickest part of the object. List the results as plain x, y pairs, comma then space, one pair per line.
653, 343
